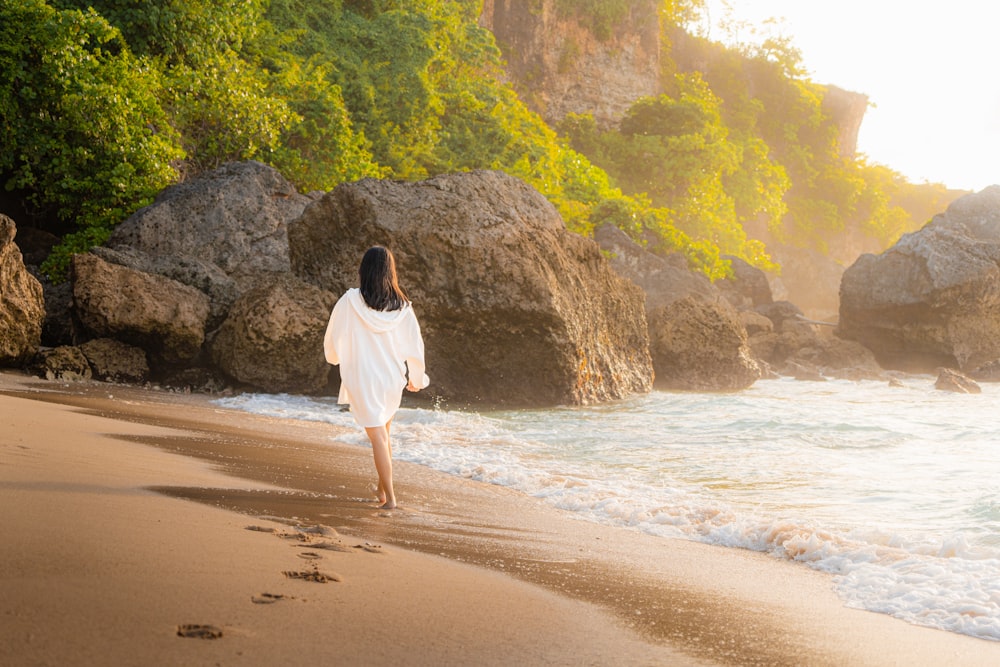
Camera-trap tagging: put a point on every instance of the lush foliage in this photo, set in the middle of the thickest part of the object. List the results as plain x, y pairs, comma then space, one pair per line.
833, 201
84, 135
108, 101
678, 151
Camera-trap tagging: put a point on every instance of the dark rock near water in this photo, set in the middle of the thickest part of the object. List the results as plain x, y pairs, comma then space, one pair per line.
273, 337
697, 341
514, 308
113, 361
159, 315
22, 305
953, 381
196, 379
834, 357
933, 299
65, 362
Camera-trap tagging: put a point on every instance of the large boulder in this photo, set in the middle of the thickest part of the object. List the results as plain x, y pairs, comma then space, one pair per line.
953, 381
162, 316
515, 309
747, 288
697, 340
932, 299
234, 217
273, 337
700, 345
65, 362
206, 277
113, 361
22, 304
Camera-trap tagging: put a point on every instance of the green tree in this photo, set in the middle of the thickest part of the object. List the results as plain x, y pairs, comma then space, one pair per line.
178, 31
93, 144
220, 102
678, 151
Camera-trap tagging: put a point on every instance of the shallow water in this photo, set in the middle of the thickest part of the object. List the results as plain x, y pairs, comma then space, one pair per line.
893, 490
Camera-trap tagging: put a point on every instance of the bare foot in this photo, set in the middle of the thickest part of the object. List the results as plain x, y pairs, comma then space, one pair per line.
379, 493
387, 506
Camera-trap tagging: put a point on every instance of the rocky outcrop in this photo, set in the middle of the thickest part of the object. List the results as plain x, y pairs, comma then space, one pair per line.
700, 345
697, 341
515, 309
559, 65
953, 381
171, 273
234, 218
113, 361
794, 346
159, 315
847, 109
206, 277
273, 337
747, 288
22, 305
65, 362
932, 299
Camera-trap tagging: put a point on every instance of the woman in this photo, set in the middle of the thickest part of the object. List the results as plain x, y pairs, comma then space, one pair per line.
374, 337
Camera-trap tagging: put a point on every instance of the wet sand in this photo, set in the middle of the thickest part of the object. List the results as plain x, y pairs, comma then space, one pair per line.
148, 527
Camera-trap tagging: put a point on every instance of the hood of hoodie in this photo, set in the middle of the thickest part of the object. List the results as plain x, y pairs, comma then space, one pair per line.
379, 321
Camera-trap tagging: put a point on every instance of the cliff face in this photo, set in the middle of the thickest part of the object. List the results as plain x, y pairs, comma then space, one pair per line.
559, 66
847, 109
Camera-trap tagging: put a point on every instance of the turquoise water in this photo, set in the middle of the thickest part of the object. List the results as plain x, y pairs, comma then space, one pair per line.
893, 490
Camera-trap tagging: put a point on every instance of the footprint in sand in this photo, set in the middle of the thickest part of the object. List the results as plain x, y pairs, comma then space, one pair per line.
328, 546
370, 548
309, 555
313, 575
199, 631
269, 598
261, 529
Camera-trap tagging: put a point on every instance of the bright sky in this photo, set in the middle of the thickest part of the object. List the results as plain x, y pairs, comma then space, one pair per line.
929, 69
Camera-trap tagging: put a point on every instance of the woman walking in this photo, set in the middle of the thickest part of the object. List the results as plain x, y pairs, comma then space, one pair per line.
374, 337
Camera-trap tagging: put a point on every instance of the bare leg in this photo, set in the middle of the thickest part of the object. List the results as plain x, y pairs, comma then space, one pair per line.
379, 490
382, 452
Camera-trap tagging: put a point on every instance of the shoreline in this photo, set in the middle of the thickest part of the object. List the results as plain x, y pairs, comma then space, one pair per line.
542, 585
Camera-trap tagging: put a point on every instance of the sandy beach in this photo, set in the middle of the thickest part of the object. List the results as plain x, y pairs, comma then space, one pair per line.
148, 527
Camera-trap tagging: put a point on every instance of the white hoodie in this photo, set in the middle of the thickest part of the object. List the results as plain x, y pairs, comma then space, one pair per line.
374, 350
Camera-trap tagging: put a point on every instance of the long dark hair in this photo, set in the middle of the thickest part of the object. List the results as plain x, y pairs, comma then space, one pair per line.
379, 284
